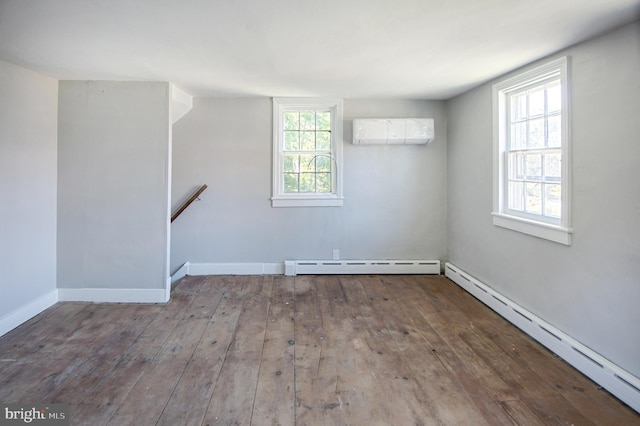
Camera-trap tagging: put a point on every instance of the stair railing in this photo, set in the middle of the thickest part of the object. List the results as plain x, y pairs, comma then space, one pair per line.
188, 202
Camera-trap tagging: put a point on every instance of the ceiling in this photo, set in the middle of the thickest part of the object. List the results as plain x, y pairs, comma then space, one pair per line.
422, 49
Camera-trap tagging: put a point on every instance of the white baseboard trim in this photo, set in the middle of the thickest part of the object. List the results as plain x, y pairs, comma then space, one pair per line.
182, 272
26, 312
614, 379
228, 269
167, 290
112, 295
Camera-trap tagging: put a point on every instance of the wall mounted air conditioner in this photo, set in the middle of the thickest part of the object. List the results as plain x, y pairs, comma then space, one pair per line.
392, 131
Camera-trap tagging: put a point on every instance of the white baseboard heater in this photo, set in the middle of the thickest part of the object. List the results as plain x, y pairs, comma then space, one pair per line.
300, 267
613, 378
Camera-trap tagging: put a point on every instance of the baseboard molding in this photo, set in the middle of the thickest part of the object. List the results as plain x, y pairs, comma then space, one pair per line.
228, 269
611, 377
112, 295
167, 290
28, 311
182, 272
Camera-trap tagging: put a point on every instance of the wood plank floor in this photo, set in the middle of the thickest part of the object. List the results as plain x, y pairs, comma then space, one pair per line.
309, 350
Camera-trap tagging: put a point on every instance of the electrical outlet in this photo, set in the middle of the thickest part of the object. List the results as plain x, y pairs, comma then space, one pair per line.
336, 254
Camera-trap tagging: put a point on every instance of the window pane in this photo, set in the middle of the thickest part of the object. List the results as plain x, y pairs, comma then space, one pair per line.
536, 103
307, 163
323, 163
291, 140
323, 141
516, 166
323, 120
291, 121
520, 166
552, 200
533, 166
516, 196
519, 107
554, 99
290, 182
307, 120
555, 137
308, 141
552, 167
519, 135
291, 163
323, 182
307, 182
533, 198
536, 133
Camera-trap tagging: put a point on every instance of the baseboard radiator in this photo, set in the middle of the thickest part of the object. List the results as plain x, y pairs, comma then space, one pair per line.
347, 267
616, 380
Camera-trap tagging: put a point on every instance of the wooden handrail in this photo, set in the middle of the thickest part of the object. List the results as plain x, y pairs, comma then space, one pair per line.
188, 202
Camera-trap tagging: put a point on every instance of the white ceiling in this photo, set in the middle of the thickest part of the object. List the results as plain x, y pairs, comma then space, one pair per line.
426, 49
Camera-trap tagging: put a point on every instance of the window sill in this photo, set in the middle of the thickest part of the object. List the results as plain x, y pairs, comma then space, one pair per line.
307, 202
545, 231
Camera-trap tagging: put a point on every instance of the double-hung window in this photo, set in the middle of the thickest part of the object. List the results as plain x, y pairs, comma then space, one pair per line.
531, 149
307, 148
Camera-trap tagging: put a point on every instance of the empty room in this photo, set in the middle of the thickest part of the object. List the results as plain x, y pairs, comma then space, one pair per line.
320, 212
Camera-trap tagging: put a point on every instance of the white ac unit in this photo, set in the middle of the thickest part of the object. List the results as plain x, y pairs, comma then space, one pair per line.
393, 131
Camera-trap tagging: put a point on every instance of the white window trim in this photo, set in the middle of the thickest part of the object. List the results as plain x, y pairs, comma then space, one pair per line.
560, 233
281, 199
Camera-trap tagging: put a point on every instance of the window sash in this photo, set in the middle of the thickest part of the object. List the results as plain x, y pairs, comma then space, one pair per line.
529, 190
305, 138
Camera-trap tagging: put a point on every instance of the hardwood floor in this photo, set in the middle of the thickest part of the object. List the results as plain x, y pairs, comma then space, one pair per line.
310, 350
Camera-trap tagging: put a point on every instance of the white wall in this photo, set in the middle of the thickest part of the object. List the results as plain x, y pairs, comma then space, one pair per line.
590, 290
395, 196
28, 123
113, 161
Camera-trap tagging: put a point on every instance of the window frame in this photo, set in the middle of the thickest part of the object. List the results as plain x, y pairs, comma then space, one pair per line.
307, 199
537, 225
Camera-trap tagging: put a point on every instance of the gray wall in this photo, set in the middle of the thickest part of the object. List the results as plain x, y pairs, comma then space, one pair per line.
113, 162
395, 196
590, 290
28, 114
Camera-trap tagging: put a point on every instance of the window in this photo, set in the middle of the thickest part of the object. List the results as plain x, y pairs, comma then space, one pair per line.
307, 148
531, 153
